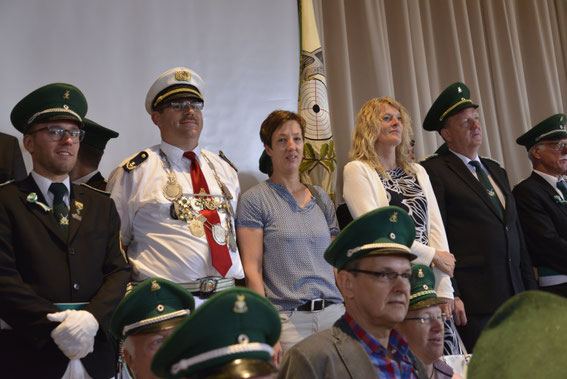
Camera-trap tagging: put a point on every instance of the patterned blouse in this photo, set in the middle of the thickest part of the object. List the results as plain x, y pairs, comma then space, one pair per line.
403, 191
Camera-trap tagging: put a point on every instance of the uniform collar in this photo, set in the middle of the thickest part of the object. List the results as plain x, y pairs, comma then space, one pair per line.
175, 154
43, 183
86, 178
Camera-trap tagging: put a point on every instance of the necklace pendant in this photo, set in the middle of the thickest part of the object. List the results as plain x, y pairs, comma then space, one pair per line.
172, 191
219, 234
197, 228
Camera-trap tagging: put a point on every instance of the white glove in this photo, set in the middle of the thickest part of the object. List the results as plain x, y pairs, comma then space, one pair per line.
75, 335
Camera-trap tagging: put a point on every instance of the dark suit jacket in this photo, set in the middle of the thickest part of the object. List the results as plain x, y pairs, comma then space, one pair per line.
333, 353
97, 181
11, 161
39, 267
492, 260
544, 221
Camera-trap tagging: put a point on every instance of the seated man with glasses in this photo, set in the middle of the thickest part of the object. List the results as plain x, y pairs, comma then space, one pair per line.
62, 271
177, 201
541, 200
372, 258
423, 325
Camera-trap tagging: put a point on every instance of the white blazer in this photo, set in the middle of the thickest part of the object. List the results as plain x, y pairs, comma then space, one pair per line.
363, 191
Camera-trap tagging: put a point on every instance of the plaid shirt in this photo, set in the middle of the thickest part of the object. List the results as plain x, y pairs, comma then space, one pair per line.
399, 367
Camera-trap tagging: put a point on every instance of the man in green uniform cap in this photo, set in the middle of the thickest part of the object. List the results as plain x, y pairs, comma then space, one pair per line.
372, 257
230, 336
542, 202
90, 153
144, 319
62, 269
479, 213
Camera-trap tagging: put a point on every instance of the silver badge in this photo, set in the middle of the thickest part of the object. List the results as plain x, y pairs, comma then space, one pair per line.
219, 234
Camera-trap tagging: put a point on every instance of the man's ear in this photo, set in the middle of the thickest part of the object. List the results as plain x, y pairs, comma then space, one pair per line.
28, 143
155, 117
345, 283
444, 133
535, 151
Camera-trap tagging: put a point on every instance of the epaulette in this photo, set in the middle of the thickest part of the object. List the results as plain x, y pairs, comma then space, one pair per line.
6, 182
224, 158
136, 161
428, 157
492, 160
96, 189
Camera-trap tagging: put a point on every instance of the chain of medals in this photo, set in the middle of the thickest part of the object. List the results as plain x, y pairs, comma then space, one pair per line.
186, 207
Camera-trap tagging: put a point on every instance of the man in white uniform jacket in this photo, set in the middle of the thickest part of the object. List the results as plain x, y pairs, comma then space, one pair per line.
177, 201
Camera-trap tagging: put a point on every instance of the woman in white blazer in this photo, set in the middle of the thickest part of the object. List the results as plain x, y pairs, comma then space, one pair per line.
383, 173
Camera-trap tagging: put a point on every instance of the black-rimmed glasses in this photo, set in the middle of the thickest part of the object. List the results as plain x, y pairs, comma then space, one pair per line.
384, 275
57, 133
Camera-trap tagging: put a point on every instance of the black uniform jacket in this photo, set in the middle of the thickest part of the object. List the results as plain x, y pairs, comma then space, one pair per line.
11, 162
39, 267
97, 181
492, 261
544, 221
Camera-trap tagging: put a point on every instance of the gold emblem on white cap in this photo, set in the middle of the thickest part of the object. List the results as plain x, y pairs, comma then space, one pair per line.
240, 305
394, 217
183, 76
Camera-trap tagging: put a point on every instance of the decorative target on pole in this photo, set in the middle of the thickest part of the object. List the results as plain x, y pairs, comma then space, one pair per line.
315, 110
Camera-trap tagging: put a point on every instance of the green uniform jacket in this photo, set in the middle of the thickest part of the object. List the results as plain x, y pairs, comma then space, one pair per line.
39, 267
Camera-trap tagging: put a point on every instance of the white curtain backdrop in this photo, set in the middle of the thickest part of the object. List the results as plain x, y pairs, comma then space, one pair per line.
247, 52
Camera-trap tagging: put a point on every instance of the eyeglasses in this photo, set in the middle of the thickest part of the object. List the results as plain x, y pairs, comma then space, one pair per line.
557, 146
57, 133
384, 276
428, 320
182, 105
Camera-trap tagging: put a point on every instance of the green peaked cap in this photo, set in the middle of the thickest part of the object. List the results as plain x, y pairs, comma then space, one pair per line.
383, 231
453, 99
97, 135
525, 338
551, 128
233, 324
53, 101
153, 305
423, 292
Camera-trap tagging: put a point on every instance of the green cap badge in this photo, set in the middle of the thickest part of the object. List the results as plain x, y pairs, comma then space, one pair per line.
51, 102
453, 99
383, 231
551, 128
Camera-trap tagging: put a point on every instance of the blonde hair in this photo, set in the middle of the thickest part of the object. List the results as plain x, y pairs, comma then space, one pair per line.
368, 125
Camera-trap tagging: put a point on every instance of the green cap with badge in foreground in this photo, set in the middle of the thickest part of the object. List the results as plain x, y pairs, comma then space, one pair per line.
453, 99
229, 336
154, 304
550, 129
383, 231
422, 282
97, 135
525, 338
57, 101
176, 83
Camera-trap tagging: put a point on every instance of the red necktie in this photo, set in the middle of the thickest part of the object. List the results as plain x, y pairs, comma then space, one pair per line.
219, 253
